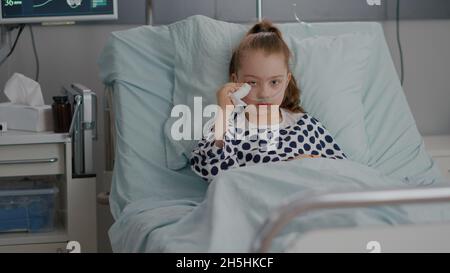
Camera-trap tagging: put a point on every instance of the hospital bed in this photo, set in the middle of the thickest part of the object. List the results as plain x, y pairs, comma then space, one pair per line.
375, 201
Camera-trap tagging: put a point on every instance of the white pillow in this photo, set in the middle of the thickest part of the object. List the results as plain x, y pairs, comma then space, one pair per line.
331, 70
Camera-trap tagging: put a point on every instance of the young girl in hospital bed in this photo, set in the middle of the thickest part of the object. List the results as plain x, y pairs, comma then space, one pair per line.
270, 125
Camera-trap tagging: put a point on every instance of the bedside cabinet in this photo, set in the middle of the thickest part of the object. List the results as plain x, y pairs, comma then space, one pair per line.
45, 157
438, 147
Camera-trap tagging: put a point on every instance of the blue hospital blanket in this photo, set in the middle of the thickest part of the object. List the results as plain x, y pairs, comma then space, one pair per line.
238, 202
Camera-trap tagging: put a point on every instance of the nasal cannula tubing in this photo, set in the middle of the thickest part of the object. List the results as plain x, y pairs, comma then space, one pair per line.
267, 99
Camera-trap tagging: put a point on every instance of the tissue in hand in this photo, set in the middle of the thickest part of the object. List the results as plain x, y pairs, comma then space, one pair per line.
26, 111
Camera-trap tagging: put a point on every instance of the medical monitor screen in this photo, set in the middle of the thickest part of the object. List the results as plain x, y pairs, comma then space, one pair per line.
36, 11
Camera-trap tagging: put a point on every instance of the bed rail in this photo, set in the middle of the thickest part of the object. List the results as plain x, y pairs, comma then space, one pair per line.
298, 205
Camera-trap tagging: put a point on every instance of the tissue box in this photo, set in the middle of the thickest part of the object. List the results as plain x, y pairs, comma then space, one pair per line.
27, 118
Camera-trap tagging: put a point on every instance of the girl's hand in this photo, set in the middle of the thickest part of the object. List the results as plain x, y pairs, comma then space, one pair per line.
223, 95
223, 99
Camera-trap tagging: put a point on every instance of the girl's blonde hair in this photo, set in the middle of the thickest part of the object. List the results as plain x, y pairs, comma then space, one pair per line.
264, 35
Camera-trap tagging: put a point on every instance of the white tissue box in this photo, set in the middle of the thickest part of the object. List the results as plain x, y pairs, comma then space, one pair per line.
27, 118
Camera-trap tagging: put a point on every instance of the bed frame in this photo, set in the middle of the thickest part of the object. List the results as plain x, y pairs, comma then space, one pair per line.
402, 238
407, 238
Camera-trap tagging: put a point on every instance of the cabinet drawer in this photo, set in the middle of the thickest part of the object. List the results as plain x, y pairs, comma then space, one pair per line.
32, 159
35, 248
444, 166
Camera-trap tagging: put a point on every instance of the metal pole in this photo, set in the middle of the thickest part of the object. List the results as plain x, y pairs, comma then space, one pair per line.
259, 10
149, 12
299, 206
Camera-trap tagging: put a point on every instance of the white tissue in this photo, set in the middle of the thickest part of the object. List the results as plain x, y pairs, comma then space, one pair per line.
242, 92
24, 91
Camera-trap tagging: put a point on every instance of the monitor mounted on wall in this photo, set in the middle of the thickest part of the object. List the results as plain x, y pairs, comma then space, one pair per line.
42, 11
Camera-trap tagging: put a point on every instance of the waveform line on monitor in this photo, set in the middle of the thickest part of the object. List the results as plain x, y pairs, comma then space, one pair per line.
42, 4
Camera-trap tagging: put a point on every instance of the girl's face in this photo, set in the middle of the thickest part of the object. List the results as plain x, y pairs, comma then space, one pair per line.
267, 74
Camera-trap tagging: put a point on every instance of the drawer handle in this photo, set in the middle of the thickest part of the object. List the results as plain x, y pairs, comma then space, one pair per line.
29, 161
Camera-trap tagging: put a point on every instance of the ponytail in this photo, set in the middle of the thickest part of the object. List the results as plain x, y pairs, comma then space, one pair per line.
265, 27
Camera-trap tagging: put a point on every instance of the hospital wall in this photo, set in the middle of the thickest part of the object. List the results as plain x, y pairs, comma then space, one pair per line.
69, 54
426, 47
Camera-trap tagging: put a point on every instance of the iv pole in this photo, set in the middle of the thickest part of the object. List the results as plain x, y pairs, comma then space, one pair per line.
259, 10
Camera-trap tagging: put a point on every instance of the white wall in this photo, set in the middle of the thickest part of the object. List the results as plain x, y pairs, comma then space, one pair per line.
69, 54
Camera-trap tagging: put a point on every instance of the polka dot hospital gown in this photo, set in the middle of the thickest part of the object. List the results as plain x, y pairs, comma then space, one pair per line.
297, 134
